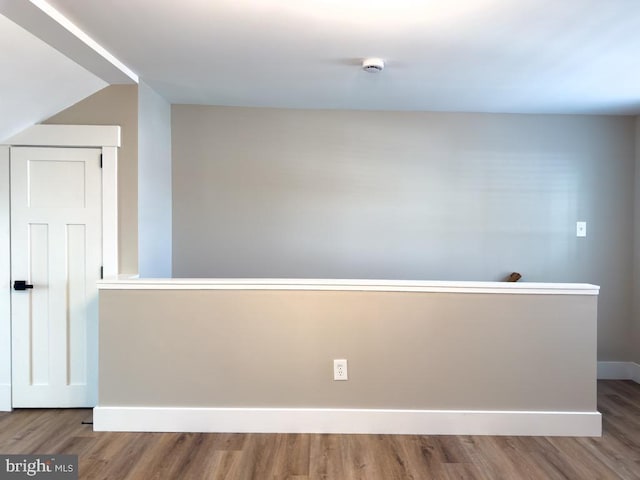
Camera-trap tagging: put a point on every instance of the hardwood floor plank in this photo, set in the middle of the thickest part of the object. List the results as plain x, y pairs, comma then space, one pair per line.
325, 458
432, 455
358, 457
417, 457
462, 471
389, 459
493, 460
588, 466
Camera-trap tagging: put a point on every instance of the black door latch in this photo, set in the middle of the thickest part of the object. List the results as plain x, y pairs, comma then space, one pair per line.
21, 285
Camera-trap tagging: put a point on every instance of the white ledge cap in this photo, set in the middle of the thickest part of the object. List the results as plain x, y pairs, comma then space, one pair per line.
348, 285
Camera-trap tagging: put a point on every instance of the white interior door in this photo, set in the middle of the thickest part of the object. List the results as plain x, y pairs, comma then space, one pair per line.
56, 246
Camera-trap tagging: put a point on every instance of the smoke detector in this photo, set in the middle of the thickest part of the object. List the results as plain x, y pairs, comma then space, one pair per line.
373, 65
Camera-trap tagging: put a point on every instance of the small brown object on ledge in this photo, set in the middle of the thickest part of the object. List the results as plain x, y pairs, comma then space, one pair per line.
514, 277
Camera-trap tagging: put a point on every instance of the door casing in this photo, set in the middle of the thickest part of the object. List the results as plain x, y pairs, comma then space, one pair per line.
106, 138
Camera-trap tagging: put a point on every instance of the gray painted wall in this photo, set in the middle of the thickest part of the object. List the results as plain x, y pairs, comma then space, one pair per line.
154, 184
226, 348
116, 105
346, 194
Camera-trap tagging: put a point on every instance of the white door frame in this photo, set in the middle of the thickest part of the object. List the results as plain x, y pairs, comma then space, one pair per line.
96, 136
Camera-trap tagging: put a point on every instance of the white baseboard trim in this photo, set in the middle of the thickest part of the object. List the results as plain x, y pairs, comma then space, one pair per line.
5, 397
347, 421
619, 371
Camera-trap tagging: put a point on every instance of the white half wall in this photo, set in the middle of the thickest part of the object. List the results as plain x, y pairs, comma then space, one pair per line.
154, 184
513, 364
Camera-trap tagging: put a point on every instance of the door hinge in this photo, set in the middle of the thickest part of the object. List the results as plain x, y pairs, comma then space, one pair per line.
100, 160
101, 273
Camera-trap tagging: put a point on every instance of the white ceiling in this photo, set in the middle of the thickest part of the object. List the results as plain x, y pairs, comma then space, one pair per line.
555, 56
37, 81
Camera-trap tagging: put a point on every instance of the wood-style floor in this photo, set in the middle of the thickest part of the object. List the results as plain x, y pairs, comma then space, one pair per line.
182, 456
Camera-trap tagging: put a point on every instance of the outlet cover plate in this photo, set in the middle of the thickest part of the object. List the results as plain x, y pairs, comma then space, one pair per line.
340, 369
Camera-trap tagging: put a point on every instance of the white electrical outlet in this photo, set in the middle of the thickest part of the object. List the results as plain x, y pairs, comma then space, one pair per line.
340, 369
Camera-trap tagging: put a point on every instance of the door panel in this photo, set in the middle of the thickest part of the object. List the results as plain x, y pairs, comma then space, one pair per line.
56, 243
38, 315
56, 184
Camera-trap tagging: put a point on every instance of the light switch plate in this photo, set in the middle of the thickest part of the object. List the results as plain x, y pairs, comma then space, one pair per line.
581, 229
